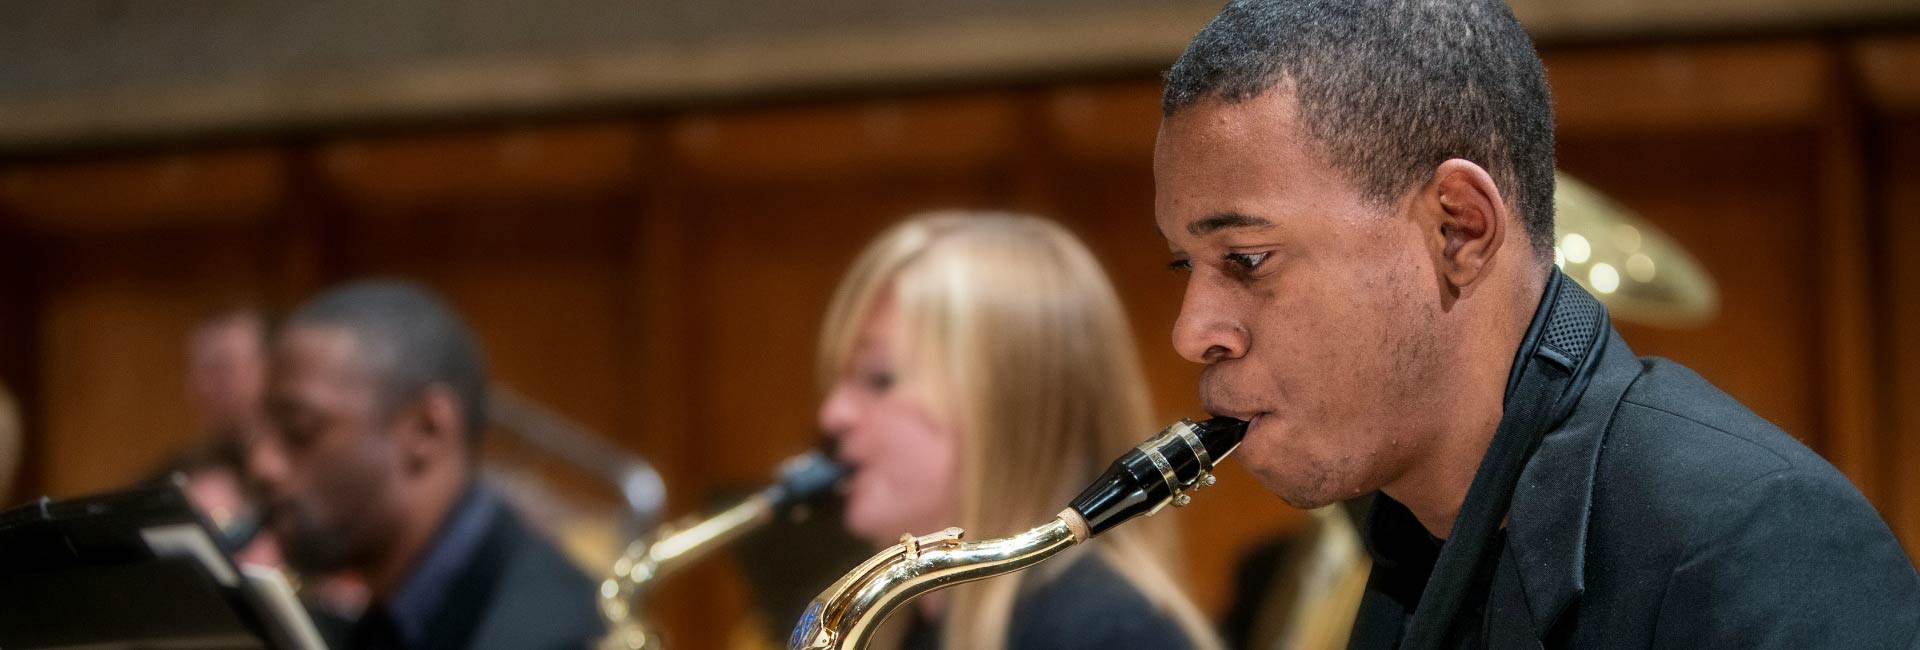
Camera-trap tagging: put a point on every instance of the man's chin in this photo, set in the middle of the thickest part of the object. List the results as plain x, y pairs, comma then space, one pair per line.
1305, 490
1304, 500
312, 555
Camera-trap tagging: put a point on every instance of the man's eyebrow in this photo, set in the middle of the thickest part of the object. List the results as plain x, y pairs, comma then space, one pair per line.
1223, 221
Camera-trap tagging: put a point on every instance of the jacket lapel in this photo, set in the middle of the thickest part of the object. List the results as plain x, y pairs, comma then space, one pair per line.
1545, 556
454, 626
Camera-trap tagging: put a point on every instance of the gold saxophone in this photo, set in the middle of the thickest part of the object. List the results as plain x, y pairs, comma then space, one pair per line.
676, 545
1160, 471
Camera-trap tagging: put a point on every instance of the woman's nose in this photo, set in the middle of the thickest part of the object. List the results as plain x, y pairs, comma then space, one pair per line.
838, 412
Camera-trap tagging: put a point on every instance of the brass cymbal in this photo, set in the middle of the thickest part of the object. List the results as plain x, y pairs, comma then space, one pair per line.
1641, 274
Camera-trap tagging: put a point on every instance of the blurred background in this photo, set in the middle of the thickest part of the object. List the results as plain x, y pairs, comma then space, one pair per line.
643, 207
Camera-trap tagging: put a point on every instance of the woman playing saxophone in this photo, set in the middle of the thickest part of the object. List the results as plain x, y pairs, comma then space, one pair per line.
979, 371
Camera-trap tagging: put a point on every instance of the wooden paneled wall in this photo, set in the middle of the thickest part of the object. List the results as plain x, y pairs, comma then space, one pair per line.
648, 272
1892, 152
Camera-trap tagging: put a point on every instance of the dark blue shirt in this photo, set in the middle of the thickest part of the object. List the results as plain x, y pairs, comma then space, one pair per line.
412, 607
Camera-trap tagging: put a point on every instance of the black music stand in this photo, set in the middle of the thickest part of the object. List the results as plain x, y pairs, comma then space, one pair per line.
135, 569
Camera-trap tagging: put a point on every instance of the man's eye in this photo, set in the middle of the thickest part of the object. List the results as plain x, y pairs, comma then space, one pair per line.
878, 381
1246, 261
298, 430
298, 436
1180, 265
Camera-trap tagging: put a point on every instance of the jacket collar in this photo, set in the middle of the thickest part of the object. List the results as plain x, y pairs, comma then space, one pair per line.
1548, 518
1541, 571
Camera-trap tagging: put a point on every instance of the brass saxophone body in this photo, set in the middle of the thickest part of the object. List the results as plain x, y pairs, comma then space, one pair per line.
675, 545
1160, 471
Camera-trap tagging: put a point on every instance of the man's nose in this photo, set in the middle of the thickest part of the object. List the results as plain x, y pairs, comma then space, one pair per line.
266, 464
1209, 329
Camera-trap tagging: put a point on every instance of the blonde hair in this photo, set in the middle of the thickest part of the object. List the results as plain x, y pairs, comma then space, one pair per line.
1015, 338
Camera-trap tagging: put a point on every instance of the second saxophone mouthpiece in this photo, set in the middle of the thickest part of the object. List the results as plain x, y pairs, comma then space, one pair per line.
1160, 471
804, 477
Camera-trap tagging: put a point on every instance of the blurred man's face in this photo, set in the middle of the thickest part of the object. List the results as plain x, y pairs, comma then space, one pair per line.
1313, 311
328, 468
226, 374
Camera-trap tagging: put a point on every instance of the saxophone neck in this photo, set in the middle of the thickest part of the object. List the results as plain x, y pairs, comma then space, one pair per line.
847, 613
692, 540
671, 548
677, 545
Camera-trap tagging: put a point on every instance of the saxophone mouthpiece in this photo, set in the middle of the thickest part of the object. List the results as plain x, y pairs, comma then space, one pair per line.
803, 477
1160, 471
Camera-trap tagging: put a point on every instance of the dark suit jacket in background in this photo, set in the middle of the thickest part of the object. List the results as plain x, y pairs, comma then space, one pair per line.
1664, 514
516, 592
537, 598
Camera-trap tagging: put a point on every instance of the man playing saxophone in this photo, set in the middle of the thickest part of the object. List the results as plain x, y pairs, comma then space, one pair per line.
1362, 194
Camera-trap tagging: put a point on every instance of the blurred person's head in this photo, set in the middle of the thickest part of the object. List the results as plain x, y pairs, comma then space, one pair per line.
227, 372
377, 398
979, 372
226, 385
1363, 192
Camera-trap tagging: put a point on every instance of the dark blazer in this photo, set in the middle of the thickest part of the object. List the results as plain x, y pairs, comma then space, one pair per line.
1664, 514
521, 593
539, 600
516, 592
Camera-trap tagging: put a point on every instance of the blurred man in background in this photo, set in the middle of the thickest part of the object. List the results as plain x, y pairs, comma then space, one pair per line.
226, 382
227, 374
377, 399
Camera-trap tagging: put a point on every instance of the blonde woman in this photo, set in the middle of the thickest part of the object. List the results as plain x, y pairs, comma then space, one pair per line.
979, 373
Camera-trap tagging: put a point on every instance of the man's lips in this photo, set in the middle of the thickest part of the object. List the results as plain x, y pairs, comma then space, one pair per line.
278, 517
1219, 400
1242, 414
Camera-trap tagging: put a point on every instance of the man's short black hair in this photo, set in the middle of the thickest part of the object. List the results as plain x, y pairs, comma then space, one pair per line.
1390, 89
410, 339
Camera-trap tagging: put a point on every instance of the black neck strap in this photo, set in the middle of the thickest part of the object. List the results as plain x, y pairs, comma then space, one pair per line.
1550, 371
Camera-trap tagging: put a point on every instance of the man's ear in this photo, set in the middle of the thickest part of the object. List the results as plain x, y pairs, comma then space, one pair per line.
1465, 219
431, 430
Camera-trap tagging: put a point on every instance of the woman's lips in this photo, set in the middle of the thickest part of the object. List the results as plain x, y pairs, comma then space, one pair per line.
845, 486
